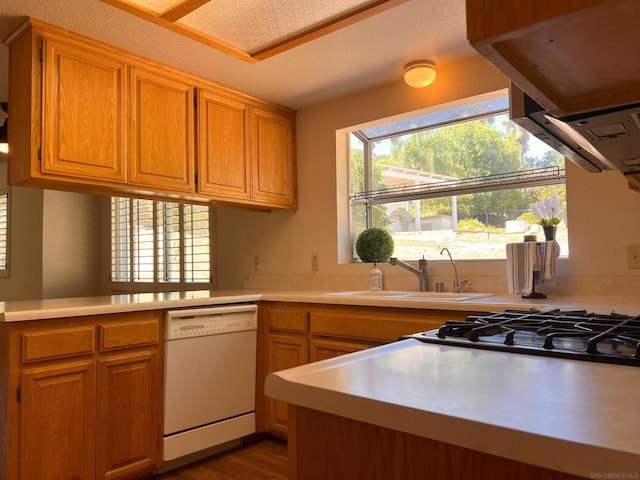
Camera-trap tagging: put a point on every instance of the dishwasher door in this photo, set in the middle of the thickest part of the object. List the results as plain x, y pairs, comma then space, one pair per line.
209, 377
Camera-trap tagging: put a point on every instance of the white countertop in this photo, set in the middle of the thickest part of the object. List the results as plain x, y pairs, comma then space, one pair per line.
601, 305
71, 307
568, 415
74, 307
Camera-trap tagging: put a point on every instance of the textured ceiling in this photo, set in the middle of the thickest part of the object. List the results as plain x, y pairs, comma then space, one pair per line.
368, 53
256, 24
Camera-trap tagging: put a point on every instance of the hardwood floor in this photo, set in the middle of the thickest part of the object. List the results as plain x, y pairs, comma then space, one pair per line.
264, 459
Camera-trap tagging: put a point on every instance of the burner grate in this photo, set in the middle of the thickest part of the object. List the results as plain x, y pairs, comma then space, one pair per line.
613, 338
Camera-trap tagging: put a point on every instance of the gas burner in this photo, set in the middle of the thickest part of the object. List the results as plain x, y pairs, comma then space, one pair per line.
578, 334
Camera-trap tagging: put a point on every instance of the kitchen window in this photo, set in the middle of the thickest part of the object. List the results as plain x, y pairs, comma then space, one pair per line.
461, 176
162, 243
4, 231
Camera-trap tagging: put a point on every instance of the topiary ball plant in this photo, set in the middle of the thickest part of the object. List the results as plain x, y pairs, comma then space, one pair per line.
374, 245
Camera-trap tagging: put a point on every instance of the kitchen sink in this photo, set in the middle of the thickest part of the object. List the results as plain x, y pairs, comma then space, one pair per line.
410, 295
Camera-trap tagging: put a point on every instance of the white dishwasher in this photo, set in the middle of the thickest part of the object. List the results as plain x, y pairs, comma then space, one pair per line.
209, 377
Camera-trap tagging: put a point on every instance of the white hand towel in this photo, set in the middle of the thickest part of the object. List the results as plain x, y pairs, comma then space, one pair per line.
521, 258
545, 263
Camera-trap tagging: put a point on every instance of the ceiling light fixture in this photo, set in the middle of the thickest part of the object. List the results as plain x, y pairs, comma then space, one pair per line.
420, 73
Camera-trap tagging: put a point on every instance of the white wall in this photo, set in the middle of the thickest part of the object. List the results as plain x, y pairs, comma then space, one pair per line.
604, 215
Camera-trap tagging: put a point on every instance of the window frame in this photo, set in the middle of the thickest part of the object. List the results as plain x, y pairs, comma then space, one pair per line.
156, 285
368, 198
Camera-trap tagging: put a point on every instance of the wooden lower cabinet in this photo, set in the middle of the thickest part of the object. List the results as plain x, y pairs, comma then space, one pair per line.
126, 439
345, 449
297, 333
285, 351
58, 422
81, 397
324, 348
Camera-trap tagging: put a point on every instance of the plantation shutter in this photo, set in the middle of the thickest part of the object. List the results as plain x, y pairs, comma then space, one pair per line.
4, 230
197, 244
163, 242
168, 242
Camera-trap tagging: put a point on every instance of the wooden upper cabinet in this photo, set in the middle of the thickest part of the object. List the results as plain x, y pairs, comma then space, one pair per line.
223, 161
571, 56
84, 112
273, 158
161, 131
89, 117
245, 151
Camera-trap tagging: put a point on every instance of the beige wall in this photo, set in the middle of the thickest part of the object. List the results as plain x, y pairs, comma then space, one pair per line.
54, 245
71, 245
56, 249
23, 280
285, 241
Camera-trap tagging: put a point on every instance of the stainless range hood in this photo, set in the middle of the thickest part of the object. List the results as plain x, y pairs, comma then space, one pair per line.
600, 140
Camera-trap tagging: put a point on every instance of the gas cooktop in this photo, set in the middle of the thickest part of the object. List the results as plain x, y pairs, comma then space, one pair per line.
613, 338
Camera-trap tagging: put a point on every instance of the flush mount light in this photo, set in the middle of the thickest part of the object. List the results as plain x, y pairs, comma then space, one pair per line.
420, 73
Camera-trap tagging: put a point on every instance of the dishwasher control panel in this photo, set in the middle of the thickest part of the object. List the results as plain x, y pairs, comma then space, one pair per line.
198, 322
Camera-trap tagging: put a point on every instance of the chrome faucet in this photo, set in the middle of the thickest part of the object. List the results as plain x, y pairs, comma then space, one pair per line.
457, 284
422, 273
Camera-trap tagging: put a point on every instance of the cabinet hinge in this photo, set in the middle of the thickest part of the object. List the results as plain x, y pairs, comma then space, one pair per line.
40, 154
19, 394
41, 55
196, 178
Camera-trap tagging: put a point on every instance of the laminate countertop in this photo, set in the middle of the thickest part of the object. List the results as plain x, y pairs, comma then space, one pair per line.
71, 307
572, 416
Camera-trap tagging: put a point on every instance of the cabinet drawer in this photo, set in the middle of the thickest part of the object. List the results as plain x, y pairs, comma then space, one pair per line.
288, 319
120, 335
384, 325
323, 348
49, 344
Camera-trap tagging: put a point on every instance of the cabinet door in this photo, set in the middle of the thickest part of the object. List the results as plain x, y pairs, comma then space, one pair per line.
274, 177
83, 114
57, 422
321, 348
129, 415
283, 351
161, 131
223, 169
